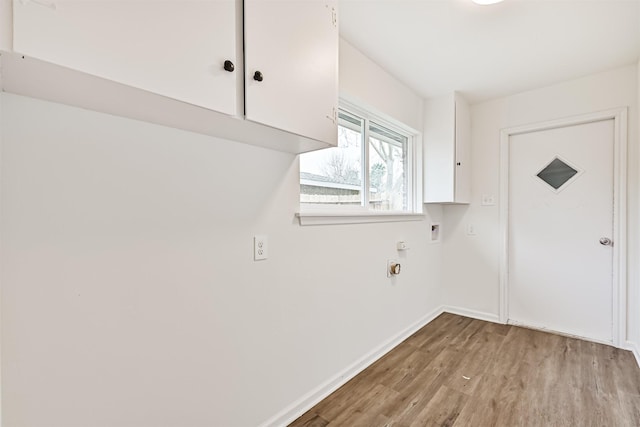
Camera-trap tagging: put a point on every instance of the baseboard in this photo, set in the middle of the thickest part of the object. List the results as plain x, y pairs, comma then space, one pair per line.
306, 402
635, 349
568, 334
480, 315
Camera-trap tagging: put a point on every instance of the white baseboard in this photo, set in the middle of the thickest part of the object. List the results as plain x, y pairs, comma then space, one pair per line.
570, 334
308, 401
635, 349
480, 315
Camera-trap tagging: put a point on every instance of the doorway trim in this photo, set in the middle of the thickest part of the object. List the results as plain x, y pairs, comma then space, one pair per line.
619, 282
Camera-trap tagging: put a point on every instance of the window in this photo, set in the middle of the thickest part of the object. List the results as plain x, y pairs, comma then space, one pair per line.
371, 171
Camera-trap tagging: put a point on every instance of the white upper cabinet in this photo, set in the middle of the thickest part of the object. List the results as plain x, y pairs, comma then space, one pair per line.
173, 48
181, 63
447, 144
291, 71
6, 26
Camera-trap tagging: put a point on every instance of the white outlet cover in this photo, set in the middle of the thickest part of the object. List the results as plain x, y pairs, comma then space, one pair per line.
260, 247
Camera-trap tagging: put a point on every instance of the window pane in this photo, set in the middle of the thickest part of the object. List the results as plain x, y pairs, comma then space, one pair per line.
387, 169
557, 173
334, 176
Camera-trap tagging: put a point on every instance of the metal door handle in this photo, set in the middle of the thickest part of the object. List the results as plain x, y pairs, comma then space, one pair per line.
605, 241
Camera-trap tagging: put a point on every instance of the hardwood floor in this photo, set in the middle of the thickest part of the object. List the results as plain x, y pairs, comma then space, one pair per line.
458, 371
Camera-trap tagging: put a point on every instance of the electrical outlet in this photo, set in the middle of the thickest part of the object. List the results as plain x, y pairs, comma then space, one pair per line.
260, 247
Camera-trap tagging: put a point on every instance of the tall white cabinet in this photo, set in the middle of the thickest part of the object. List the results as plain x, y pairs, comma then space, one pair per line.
447, 144
270, 64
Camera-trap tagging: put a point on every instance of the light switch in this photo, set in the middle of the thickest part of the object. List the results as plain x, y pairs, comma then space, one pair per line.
488, 200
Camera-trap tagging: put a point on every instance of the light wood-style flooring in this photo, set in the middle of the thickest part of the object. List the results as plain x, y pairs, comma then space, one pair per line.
458, 371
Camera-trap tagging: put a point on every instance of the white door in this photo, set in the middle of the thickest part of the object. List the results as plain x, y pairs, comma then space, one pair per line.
560, 207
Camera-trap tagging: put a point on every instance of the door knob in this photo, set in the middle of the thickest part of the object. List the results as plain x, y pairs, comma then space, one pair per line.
605, 241
257, 76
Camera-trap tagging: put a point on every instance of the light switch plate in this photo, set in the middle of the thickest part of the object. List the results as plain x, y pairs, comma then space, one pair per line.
488, 200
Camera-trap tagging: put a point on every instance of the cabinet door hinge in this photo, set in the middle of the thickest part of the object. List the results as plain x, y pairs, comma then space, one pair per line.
333, 116
334, 15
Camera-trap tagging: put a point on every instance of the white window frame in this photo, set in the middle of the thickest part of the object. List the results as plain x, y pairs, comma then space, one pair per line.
310, 214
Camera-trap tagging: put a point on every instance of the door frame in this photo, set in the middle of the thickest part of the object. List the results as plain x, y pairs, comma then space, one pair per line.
619, 283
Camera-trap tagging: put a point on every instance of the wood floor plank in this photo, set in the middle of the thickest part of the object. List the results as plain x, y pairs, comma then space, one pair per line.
439, 333
466, 336
497, 328
381, 421
630, 405
465, 372
407, 371
443, 409
367, 409
627, 380
512, 351
599, 369
479, 355
412, 400
342, 398
479, 411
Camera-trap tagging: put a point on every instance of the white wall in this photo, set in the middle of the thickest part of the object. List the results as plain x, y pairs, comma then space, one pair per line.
365, 82
129, 292
476, 286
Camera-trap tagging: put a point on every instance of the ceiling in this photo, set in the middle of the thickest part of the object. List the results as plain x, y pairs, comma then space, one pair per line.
485, 52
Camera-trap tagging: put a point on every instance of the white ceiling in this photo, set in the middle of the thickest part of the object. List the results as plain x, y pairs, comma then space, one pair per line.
436, 46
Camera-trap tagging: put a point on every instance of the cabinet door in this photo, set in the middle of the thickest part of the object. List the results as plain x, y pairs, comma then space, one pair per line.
293, 46
462, 151
439, 150
175, 48
447, 144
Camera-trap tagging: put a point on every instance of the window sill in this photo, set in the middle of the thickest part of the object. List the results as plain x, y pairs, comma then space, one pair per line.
330, 218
